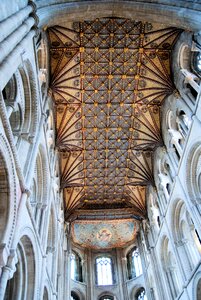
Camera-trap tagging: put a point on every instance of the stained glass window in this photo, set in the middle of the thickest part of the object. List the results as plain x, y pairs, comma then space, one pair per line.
104, 271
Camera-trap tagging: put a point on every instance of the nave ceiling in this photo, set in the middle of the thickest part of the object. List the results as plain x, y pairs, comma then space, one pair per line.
109, 78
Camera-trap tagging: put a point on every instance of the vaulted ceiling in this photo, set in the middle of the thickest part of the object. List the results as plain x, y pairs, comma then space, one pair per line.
109, 78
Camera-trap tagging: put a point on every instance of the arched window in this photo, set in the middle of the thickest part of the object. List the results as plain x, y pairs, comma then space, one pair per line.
74, 296
106, 297
104, 271
76, 267
199, 290
140, 295
134, 263
196, 63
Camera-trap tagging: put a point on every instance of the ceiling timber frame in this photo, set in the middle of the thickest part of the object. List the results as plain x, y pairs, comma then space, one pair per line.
109, 78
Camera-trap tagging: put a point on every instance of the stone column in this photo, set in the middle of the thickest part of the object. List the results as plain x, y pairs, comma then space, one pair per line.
7, 273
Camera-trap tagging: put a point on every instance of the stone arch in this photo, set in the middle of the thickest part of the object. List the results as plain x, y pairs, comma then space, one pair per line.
193, 173
78, 293
8, 197
136, 288
134, 265
42, 59
39, 189
144, 11
76, 263
51, 243
185, 236
196, 287
45, 293
170, 268
34, 98
22, 285
107, 293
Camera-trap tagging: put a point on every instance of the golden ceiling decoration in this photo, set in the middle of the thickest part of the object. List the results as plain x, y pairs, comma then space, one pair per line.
109, 78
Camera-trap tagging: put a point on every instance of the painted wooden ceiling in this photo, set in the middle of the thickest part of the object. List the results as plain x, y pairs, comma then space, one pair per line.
109, 78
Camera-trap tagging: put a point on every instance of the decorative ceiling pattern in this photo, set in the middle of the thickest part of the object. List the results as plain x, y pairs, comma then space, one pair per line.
104, 234
109, 78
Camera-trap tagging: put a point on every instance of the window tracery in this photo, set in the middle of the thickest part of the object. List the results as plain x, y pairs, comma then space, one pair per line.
104, 271
134, 263
141, 295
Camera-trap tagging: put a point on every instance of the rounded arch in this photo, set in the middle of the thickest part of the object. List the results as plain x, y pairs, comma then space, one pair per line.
170, 268
134, 265
107, 296
145, 11
77, 293
8, 194
39, 190
193, 173
196, 288
34, 98
185, 236
104, 269
135, 290
76, 266
23, 283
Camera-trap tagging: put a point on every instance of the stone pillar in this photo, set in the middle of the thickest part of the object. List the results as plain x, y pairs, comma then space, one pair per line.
90, 272
7, 273
122, 278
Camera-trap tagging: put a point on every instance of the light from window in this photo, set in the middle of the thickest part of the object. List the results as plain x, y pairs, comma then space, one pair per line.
74, 296
104, 271
199, 61
106, 297
76, 267
141, 295
136, 260
73, 267
134, 264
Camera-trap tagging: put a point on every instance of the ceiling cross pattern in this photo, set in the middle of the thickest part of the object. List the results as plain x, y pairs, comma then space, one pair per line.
109, 78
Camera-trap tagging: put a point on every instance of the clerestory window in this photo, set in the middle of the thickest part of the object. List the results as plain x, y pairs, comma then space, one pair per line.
140, 295
76, 267
106, 297
104, 271
134, 263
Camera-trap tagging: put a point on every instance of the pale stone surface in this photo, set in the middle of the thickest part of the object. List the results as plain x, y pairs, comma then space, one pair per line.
32, 227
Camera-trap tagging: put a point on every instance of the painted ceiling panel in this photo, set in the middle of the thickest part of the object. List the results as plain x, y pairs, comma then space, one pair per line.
109, 78
104, 234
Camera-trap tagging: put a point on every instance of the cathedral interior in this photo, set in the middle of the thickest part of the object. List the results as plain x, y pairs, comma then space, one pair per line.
100, 150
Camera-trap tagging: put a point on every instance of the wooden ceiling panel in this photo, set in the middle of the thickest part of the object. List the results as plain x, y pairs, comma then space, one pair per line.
109, 78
